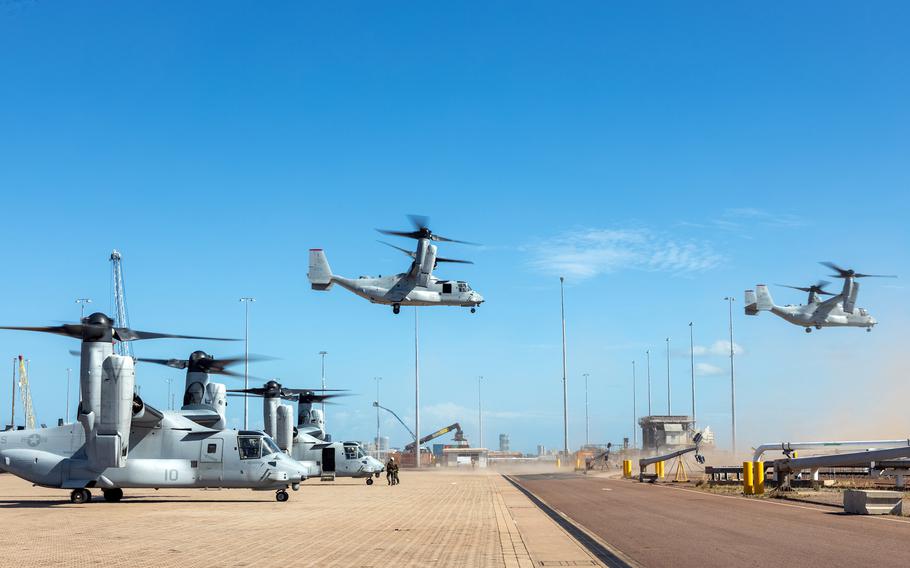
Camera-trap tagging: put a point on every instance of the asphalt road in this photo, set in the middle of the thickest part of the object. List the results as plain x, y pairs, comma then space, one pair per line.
665, 525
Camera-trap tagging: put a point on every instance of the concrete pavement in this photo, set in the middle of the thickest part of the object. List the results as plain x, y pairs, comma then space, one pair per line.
667, 525
434, 518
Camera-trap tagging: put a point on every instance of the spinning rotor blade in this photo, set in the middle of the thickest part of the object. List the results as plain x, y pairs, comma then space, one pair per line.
69, 329
847, 273
818, 288
127, 334
454, 260
421, 224
410, 253
175, 363
203, 362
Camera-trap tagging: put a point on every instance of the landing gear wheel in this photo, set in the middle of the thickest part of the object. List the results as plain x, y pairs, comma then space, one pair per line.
396, 308
473, 310
113, 495
868, 329
281, 496
818, 327
808, 330
377, 474
80, 496
369, 481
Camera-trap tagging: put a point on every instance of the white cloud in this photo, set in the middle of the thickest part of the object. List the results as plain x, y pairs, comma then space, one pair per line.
707, 369
761, 217
586, 253
721, 347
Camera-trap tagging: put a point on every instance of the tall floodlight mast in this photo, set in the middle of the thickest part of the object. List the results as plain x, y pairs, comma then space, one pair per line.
118, 302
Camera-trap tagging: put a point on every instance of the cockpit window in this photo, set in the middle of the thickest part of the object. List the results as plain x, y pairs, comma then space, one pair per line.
250, 447
269, 446
350, 452
463, 287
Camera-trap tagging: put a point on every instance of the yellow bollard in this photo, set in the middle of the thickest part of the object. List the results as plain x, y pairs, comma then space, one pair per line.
748, 485
758, 477
659, 469
558, 465
627, 468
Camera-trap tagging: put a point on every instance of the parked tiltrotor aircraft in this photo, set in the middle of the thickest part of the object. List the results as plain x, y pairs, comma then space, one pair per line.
416, 287
121, 442
837, 311
308, 440
204, 402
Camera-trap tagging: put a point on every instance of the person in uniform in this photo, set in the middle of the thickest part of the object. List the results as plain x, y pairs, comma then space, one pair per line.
390, 469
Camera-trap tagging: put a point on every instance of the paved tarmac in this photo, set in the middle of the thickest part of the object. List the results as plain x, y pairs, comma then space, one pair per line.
666, 525
434, 518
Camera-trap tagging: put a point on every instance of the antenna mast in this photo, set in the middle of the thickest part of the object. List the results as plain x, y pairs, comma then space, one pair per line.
118, 302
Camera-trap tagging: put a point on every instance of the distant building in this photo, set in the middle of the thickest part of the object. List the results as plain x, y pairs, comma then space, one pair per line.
660, 433
541, 450
503, 442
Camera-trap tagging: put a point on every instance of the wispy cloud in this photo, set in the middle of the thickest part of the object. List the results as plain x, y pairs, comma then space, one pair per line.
585, 253
741, 219
707, 370
720, 347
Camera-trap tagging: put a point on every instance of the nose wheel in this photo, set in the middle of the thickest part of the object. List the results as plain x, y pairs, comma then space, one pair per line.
808, 330
80, 496
281, 496
396, 308
473, 310
369, 481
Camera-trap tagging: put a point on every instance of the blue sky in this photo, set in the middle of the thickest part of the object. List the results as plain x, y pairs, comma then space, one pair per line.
660, 157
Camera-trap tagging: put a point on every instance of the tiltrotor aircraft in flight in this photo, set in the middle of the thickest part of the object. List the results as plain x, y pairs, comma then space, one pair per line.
416, 287
204, 402
121, 442
839, 310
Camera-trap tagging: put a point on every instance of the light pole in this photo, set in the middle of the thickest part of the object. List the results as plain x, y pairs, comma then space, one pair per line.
66, 415
246, 301
83, 301
416, 388
692, 366
323, 354
648, 355
732, 379
585, 375
12, 413
479, 413
378, 437
565, 385
634, 412
668, 378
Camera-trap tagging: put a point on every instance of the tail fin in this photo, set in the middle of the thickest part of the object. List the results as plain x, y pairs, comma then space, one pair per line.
319, 274
751, 303
763, 298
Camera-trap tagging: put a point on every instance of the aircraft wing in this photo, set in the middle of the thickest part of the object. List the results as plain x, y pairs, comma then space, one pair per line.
201, 416
401, 289
147, 416
824, 308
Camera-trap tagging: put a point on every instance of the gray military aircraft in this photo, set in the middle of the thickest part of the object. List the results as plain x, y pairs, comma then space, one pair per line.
121, 442
308, 440
204, 402
416, 287
837, 311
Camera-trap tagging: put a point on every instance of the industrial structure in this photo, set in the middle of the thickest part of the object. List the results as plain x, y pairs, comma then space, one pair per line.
666, 432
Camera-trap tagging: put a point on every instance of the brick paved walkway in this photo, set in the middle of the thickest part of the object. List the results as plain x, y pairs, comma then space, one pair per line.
434, 518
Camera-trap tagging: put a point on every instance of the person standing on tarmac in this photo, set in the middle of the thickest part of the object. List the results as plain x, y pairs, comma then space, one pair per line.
391, 468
